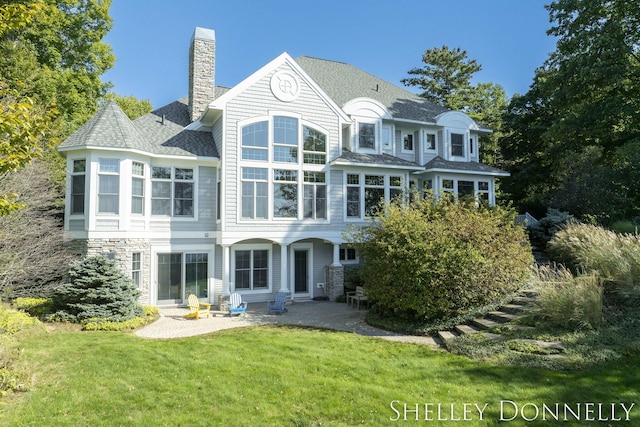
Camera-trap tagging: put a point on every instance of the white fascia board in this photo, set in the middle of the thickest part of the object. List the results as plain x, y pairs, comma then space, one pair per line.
375, 165
215, 160
415, 122
219, 104
466, 172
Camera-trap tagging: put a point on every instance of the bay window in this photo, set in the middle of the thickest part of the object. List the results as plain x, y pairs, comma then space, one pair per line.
137, 188
109, 186
457, 144
78, 183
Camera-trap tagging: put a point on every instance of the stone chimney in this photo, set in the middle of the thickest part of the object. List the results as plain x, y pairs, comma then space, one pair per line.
202, 67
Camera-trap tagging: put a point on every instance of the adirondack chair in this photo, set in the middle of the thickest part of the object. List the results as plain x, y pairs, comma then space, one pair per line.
236, 305
357, 297
278, 305
197, 308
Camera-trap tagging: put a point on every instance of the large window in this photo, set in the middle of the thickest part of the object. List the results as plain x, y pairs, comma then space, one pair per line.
294, 187
78, 186
285, 193
373, 193
315, 195
457, 144
315, 146
252, 269
366, 193
255, 141
109, 186
137, 188
254, 193
285, 139
169, 184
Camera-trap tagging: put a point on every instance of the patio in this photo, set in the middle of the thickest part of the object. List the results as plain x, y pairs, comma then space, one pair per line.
317, 314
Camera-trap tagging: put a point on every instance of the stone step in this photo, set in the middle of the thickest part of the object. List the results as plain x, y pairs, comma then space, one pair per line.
523, 300
516, 308
485, 323
466, 329
501, 316
530, 293
446, 335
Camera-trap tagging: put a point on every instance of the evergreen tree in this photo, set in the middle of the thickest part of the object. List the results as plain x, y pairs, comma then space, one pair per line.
97, 290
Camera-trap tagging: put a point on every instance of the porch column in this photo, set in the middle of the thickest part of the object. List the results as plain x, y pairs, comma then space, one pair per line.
284, 268
226, 265
336, 255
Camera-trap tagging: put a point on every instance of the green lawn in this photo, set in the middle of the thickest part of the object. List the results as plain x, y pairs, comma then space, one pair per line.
272, 376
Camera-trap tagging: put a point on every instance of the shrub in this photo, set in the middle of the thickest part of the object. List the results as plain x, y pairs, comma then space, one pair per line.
614, 257
14, 325
568, 301
98, 292
555, 219
622, 227
150, 314
36, 307
430, 260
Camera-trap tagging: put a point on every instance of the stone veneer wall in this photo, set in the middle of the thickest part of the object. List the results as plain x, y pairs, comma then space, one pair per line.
202, 67
335, 281
121, 250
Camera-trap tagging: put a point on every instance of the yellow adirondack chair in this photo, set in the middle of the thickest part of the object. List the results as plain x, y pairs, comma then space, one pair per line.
197, 308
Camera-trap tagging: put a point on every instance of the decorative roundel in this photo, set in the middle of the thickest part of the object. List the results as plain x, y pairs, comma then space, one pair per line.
285, 86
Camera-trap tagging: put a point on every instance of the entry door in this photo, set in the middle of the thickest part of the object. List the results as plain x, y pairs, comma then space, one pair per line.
301, 271
169, 278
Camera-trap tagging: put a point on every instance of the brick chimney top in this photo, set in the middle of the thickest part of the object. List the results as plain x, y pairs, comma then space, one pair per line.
202, 66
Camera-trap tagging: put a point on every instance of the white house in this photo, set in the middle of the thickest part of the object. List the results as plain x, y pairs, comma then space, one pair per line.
248, 189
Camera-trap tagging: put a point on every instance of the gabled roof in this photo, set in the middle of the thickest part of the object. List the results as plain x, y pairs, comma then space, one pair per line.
438, 164
349, 158
161, 132
344, 82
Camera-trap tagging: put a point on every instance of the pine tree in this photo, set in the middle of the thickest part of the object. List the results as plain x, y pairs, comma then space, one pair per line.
97, 291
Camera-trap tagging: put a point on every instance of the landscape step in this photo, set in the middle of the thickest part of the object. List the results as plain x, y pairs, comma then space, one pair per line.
466, 329
485, 323
501, 316
515, 308
523, 300
446, 335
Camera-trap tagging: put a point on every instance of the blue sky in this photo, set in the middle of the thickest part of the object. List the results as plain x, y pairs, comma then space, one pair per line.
150, 38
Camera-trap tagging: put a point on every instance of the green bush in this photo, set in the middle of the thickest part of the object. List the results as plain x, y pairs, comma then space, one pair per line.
555, 219
430, 260
14, 325
568, 301
150, 314
622, 227
36, 307
614, 257
98, 292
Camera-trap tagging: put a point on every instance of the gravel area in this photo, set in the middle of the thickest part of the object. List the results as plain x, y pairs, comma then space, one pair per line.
319, 314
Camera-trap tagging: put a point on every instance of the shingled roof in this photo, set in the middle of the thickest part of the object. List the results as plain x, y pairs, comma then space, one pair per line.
440, 164
344, 82
378, 160
160, 132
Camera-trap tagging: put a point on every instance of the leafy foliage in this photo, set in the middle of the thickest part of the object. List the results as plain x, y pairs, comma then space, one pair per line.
578, 125
97, 291
433, 260
445, 79
130, 105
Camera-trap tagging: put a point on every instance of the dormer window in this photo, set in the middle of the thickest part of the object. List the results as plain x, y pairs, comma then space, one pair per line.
457, 144
367, 136
407, 142
430, 143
